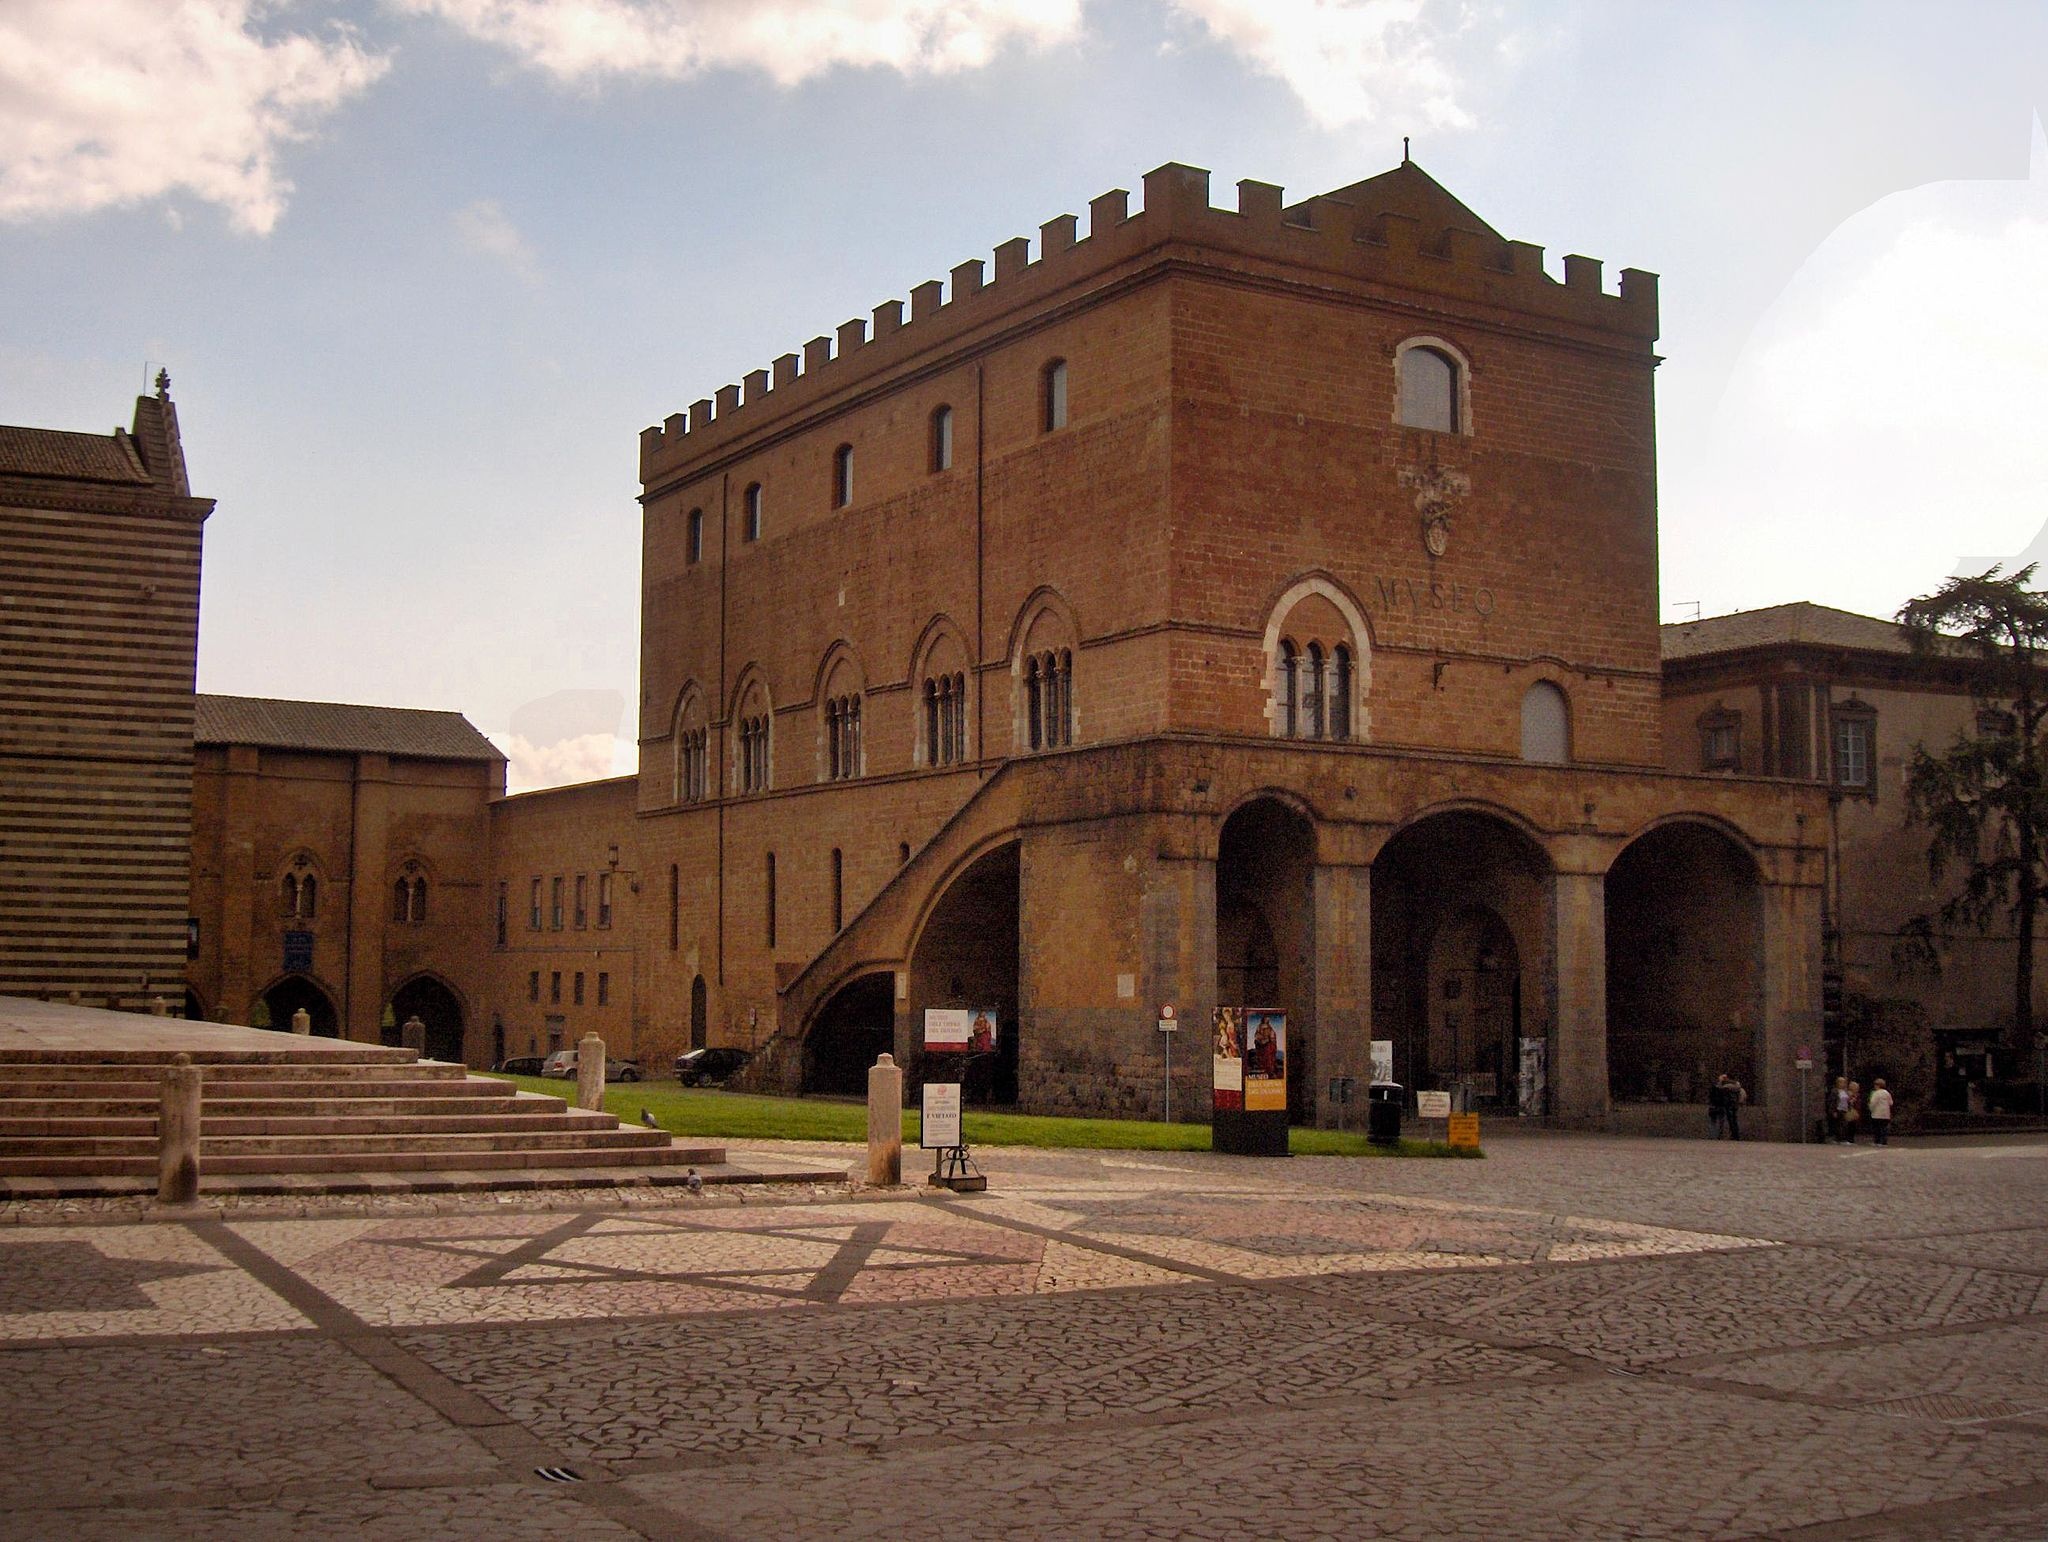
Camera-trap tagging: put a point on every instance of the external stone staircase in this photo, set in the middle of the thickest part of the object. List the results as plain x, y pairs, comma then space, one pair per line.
320, 1108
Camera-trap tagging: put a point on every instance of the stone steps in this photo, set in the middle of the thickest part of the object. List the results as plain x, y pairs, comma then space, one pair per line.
290, 1108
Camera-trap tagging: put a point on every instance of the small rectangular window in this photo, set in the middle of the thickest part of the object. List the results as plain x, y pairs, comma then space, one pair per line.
842, 476
942, 439
604, 899
582, 901
604, 988
533, 986
1055, 394
577, 988
504, 905
1852, 751
533, 918
555, 905
751, 518
555, 987
695, 551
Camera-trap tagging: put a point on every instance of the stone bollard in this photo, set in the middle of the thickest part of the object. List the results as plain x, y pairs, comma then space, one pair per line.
885, 1123
158, 1007
590, 1072
177, 1134
412, 1034
302, 1024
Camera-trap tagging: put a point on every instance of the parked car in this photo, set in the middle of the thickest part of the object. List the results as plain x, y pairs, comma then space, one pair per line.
521, 1065
562, 1063
709, 1067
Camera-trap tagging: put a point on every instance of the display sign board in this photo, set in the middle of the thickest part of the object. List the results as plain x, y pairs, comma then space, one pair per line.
1432, 1105
1532, 1086
939, 1121
298, 952
1382, 1060
1227, 1061
959, 1030
1464, 1130
1265, 1059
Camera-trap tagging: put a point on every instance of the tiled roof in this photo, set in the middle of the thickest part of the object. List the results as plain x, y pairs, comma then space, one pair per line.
54, 452
339, 726
1800, 623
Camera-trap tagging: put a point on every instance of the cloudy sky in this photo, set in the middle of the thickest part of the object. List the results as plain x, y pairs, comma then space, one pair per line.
422, 269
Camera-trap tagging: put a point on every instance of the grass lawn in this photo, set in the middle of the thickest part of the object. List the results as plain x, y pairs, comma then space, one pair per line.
700, 1111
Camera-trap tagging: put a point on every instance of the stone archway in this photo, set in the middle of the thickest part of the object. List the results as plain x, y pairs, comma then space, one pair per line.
1265, 929
856, 1024
289, 995
966, 955
435, 1005
1463, 957
1684, 966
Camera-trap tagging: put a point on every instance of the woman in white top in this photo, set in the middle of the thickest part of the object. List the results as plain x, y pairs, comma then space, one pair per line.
1880, 1112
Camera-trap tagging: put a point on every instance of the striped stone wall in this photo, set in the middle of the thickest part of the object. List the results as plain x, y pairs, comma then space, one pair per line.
99, 626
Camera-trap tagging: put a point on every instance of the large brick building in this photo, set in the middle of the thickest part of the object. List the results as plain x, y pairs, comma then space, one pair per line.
99, 632
1249, 604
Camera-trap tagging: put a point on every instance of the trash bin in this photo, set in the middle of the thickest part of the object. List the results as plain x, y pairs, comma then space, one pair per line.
1383, 1113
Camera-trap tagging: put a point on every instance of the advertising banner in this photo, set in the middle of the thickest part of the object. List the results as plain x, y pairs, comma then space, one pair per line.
939, 1116
1533, 1088
1227, 1059
959, 1030
1382, 1060
1265, 1059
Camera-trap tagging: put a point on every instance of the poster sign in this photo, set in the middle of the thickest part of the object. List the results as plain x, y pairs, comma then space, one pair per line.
1532, 1089
1464, 1130
1227, 1059
298, 951
1265, 1059
1382, 1060
1432, 1105
959, 1030
939, 1116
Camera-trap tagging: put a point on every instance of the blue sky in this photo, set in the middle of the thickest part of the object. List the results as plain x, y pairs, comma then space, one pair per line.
422, 269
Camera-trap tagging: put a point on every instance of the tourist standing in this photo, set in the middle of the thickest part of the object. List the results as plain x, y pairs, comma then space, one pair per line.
1838, 1107
1717, 1106
1851, 1112
1880, 1112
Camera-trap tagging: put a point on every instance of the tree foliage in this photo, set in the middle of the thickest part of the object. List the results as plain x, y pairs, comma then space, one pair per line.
1982, 800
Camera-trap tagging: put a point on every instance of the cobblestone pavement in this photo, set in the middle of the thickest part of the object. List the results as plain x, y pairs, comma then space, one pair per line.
1576, 1338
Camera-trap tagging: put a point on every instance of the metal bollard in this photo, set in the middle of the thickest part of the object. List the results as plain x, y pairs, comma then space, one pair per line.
177, 1134
590, 1072
885, 1123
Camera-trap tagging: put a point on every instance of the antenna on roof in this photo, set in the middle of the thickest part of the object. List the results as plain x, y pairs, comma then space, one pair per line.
1404, 149
1682, 604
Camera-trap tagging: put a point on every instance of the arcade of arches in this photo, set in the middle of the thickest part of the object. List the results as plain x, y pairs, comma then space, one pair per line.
1591, 981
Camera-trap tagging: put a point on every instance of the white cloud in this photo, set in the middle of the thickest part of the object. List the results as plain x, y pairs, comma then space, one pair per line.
1349, 61
583, 758
119, 101
788, 40
486, 229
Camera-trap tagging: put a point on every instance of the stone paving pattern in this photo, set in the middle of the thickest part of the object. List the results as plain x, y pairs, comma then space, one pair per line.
1574, 1338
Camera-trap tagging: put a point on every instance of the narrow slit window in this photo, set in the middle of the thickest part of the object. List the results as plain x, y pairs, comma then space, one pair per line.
751, 512
695, 544
842, 476
942, 439
1054, 396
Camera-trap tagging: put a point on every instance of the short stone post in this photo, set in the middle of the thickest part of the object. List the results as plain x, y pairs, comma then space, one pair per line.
590, 1072
158, 1007
302, 1024
177, 1134
412, 1034
885, 1123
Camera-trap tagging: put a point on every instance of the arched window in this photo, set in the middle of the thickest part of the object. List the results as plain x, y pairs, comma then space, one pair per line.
409, 898
401, 900
942, 439
945, 719
694, 548
1312, 693
750, 519
1546, 725
842, 738
693, 757
1429, 381
1339, 693
1053, 396
299, 893
289, 893
754, 753
842, 476
1049, 698
1289, 685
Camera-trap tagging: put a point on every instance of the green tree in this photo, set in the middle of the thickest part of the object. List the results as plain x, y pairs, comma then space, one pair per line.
1982, 800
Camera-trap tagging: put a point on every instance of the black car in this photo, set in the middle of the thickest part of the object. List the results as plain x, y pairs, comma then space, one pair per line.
521, 1065
709, 1067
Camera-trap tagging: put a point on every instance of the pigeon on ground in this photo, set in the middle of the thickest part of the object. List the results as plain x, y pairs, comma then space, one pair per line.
694, 1182
649, 1120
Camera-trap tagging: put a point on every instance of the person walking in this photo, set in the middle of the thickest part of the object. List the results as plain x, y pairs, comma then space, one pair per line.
1880, 1113
1737, 1095
1717, 1106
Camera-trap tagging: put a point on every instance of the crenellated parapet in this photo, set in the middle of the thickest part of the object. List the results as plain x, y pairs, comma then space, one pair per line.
1339, 235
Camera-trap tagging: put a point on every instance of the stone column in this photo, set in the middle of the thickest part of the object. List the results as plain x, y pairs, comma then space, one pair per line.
177, 1134
1791, 970
302, 1023
590, 1072
885, 1123
1578, 1045
1343, 987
